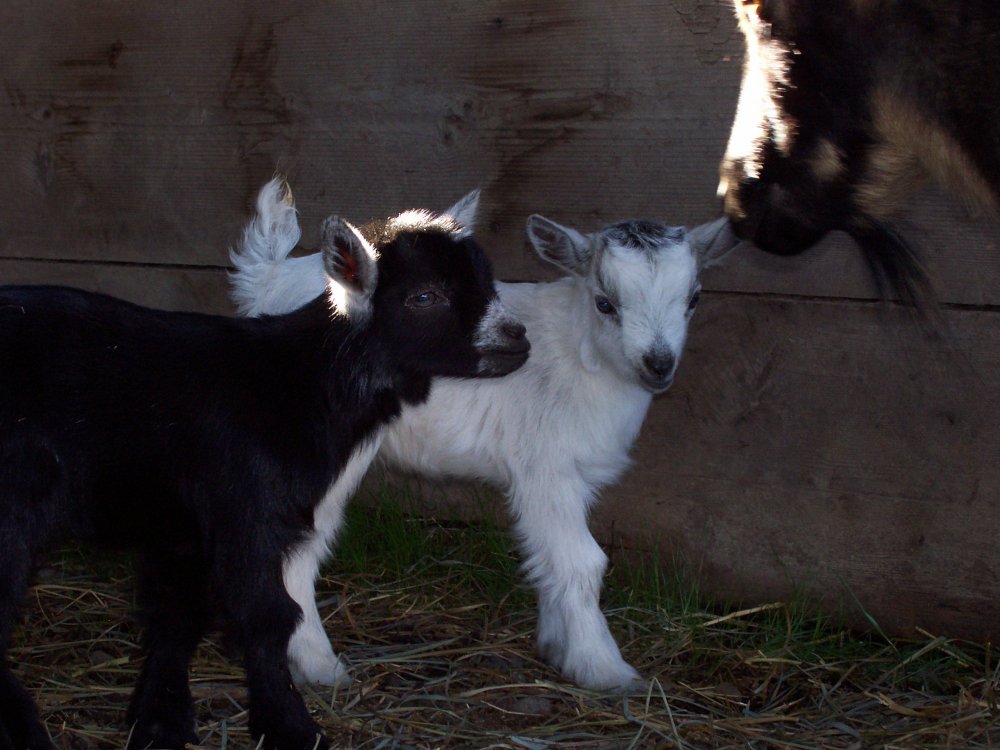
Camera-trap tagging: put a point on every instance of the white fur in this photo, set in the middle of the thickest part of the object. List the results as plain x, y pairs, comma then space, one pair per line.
273, 233
310, 657
552, 433
490, 333
464, 213
268, 282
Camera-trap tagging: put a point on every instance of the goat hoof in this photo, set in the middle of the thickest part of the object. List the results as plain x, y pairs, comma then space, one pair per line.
611, 674
325, 672
616, 685
157, 735
279, 732
161, 717
304, 740
638, 686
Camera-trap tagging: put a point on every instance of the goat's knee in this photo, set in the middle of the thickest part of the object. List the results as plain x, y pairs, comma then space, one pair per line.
570, 569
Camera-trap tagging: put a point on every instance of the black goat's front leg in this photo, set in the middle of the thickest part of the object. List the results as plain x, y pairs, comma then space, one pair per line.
172, 600
264, 618
277, 713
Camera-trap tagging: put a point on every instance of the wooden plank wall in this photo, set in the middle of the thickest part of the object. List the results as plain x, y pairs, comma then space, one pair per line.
813, 437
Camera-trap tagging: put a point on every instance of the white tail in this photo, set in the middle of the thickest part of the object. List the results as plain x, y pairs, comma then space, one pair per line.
266, 280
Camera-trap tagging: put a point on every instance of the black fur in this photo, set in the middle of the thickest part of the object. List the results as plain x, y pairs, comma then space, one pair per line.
206, 443
895, 266
932, 56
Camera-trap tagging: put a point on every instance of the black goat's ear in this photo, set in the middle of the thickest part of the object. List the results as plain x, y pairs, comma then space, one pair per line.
348, 258
712, 242
559, 245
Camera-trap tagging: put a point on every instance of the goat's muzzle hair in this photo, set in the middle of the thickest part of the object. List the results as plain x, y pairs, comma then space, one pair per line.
898, 271
503, 348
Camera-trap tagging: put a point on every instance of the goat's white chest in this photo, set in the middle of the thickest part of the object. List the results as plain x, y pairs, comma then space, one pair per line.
326, 517
598, 427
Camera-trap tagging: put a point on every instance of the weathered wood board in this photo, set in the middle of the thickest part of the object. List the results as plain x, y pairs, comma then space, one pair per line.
812, 437
193, 288
824, 443
132, 132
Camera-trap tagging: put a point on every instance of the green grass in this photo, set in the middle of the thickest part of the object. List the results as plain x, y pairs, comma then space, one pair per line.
387, 538
644, 595
439, 628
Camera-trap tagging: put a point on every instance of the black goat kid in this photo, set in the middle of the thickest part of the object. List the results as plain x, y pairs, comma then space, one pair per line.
222, 449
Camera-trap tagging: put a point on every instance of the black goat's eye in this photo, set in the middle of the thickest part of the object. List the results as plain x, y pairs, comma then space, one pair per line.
423, 299
694, 300
604, 306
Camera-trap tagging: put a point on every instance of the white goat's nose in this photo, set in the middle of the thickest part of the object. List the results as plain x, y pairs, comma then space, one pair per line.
657, 370
659, 366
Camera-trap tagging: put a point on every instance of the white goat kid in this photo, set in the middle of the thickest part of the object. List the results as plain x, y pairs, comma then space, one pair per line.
604, 340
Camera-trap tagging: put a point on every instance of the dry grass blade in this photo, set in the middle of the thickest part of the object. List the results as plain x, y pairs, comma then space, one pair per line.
441, 642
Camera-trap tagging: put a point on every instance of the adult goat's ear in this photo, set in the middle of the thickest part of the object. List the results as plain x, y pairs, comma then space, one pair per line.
465, 213
348, 258
712, 242
562, 246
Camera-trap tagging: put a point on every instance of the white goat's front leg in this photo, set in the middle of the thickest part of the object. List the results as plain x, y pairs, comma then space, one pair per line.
565, 564
311, 658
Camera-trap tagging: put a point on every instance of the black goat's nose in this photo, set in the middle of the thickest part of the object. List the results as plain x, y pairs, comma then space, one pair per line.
514, 331
659, 365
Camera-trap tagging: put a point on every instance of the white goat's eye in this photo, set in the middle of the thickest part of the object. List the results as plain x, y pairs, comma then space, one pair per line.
603, 305
423, 299
694, 300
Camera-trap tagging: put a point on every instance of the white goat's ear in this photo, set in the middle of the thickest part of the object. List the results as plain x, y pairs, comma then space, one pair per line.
347, 257
712, 242
563, 246
465, 213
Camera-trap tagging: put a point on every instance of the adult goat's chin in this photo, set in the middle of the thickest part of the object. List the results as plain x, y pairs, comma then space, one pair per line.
765, 215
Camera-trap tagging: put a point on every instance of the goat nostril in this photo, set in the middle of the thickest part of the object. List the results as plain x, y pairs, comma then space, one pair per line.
514, 331
659, 366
